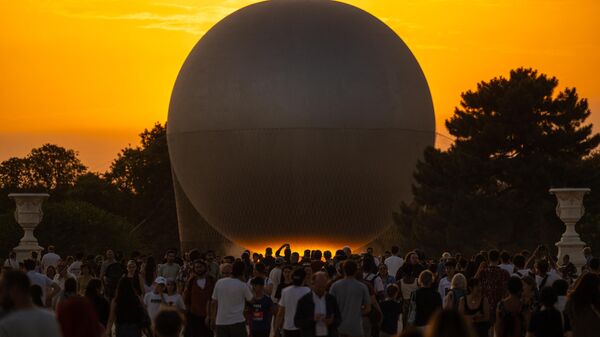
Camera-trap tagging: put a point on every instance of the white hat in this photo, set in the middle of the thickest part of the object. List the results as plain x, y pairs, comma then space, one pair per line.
160, 280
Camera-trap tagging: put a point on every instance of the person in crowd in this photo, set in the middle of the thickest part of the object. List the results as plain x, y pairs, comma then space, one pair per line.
154, 300
225, 270
75, 266
127, 314
51, 272
426, 299
444, 283
394, 262
63, 274
77, 318
316, 261
594, 266
317, 313
41, 280
261, 309
275, 275
369, 275
69, 291
391, 310
353, 300
530, 294
287, 252
169, 269
37, 295
448, 323
133, 275
458, 289
212, 265
384, 275
93, 292
505, 262
168, 323
567, 269
473, 266
285, 282
260, 270
22, 317
512, 314
172, 297
11, 261
228, 301
561, 287
197, 297
546, 321
50, 258
408, 284
149, 273
284, 320
269, 259
520, 270
111, 272
476, 308
328, 258
494, 280
543, 277
85, 276
583, 306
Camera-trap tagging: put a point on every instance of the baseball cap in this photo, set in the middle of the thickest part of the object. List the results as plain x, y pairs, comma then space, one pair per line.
160, 280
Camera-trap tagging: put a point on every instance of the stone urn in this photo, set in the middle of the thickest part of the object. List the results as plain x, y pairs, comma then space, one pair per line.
28, 215
570, 209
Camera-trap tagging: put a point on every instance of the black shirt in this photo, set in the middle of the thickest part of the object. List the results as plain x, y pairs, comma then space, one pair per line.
546, 323
427, 300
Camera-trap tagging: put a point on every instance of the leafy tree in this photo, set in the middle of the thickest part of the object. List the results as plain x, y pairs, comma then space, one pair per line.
516, 137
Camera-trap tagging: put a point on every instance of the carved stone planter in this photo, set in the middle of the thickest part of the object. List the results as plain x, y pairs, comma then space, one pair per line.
570, 209
28, 215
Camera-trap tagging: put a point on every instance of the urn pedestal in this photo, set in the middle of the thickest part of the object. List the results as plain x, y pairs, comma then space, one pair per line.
570, 209
28, 215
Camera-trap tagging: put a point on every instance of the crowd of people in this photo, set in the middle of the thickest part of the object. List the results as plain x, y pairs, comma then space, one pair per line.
283, 293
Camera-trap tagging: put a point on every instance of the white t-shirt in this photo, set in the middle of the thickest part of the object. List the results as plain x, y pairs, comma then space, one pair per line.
153, 301
41, 280
275, 276
289, 300
50, 259
75, 268
231, 295
509, 267
444, 285
30, 322
175, 301
393, 263
522, 272
551, 278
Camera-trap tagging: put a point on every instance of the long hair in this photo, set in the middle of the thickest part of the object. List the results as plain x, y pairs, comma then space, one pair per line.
126, 300
585, 292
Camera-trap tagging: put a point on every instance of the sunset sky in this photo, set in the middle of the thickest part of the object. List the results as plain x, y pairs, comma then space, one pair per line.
91, 74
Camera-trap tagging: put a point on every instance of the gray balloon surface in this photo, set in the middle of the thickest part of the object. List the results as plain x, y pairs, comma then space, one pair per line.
301, 122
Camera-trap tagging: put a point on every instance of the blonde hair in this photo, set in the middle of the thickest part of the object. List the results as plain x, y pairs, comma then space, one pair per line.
459, 281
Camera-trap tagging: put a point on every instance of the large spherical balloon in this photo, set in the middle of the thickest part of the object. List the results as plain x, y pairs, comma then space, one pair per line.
301, 122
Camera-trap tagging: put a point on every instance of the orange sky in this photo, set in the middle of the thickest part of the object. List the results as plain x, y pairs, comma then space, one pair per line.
91, 74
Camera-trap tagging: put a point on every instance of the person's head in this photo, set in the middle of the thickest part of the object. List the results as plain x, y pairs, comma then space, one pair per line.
110, 255
391, 291
459, 281
237, 269
226, 269
320, 280
542, 267
450, 267
548, 297
36, 295
50, 272
93, 288
560, 287
529, 285
287, 273
317, 255
29, 264
370, 250
587, 251
474, 286
77, 317
14, 290
448, 323
505, 257
268, 251
519, 261
425, 279
229, 259
70, 286
494, 257
85, 269
171, 286
515, 286
260, 269
586, 291
383, 269
131, 267
34, 256
12, 255
258, 285
298, 277
51, 249
566, 259
160, 284
368, 264
327, 255
350, 268
412, 258
295, 258
170, 256
594, 265
199, 268
168, 323
395, 250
